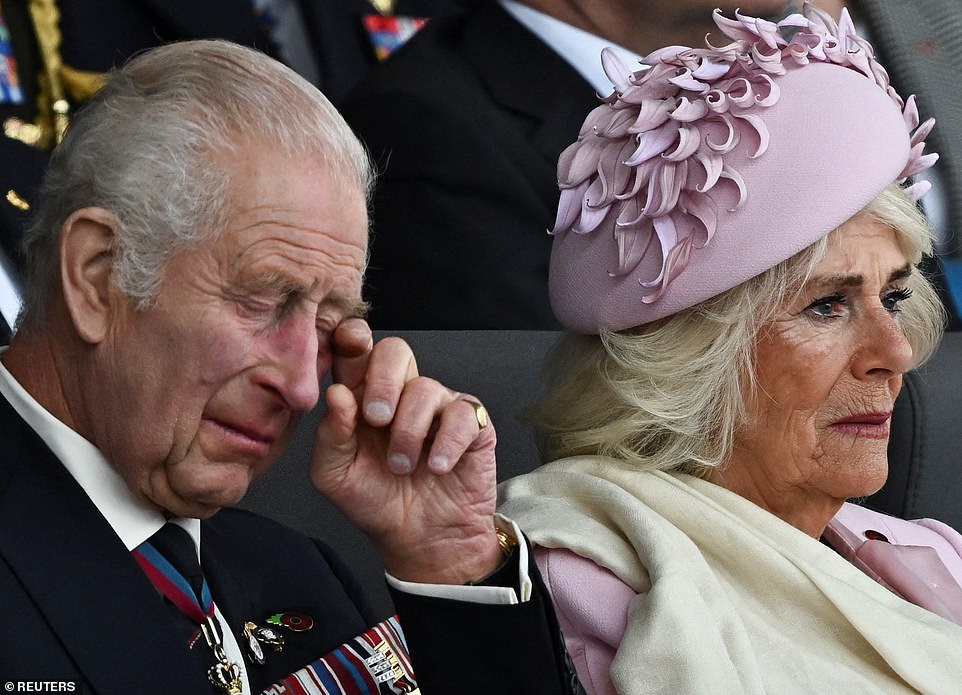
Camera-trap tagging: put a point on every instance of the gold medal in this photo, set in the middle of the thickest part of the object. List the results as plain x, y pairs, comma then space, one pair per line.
225, 674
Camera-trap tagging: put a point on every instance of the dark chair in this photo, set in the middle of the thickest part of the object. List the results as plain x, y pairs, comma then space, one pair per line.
502, 368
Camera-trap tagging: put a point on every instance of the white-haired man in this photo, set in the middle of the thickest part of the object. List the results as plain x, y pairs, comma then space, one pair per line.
194, 269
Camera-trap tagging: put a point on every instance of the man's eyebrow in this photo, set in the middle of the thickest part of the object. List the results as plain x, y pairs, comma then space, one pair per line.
348, 305
276, 283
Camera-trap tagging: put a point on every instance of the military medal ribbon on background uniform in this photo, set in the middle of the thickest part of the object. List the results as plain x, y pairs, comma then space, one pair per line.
10, 90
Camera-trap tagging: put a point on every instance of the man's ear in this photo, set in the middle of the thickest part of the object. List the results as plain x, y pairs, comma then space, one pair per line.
86, 257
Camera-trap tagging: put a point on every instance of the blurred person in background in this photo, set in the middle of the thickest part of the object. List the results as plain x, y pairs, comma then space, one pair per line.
466, 123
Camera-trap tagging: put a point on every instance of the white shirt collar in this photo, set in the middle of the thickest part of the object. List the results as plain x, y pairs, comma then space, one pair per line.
9, 291
131, 521
581, 49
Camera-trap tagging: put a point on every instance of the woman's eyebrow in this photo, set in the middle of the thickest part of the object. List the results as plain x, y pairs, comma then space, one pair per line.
857, 279
902, 273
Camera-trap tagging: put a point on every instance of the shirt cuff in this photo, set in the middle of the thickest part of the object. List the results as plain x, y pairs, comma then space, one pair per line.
494, 595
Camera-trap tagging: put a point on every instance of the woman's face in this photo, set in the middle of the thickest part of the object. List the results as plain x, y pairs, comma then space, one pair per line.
829, 368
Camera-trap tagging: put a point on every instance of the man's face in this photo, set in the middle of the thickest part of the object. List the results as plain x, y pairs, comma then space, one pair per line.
198, 395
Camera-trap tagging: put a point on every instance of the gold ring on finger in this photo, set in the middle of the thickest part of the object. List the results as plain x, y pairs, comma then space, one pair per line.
480, 414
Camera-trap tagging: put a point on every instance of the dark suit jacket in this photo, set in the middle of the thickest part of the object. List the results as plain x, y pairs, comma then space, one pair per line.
99, 34
76, 606
466, 122
21, 169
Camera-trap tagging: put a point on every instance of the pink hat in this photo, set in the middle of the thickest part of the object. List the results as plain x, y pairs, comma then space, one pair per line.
717, 164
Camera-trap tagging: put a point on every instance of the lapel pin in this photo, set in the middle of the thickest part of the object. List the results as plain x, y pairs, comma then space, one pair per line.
298, 622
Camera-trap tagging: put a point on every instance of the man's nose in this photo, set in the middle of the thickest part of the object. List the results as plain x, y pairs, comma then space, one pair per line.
293, 372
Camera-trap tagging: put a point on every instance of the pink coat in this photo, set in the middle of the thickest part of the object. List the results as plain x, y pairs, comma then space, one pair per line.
919, 560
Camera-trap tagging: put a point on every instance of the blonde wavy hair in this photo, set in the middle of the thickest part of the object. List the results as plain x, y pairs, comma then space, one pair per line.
670, 395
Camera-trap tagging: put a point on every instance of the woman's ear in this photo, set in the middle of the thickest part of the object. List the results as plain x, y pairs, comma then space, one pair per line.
86, 258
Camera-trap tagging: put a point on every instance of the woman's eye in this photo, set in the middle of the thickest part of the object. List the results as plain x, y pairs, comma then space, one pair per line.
826, 307
892, 300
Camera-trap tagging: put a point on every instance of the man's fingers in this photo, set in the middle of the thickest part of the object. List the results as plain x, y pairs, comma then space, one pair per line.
464, 426
376, 373
335, 442
414, 420
351, 345
435, 425
390, 366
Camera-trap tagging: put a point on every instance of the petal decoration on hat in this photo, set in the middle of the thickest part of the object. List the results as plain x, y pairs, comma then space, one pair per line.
667, 132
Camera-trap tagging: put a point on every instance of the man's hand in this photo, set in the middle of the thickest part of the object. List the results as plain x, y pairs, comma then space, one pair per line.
407, 461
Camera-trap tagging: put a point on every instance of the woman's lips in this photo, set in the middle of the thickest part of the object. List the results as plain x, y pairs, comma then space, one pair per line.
868, 425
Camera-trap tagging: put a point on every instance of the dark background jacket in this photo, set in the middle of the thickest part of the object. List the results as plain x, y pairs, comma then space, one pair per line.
466, 122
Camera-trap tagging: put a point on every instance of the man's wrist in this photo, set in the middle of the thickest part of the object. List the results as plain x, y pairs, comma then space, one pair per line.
508, 584
507, 573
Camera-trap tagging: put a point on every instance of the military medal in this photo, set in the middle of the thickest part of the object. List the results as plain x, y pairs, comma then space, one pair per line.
225, 674
375, 662
257, 637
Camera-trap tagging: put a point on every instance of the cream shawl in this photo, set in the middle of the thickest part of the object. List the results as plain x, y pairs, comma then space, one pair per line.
731, 599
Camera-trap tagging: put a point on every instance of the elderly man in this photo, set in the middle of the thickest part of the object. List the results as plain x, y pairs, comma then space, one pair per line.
194, 269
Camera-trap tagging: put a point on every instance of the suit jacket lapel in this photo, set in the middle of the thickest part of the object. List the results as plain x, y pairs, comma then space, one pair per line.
81, 576
543, 85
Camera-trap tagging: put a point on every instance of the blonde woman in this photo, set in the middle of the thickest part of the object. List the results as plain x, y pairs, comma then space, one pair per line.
735, 259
